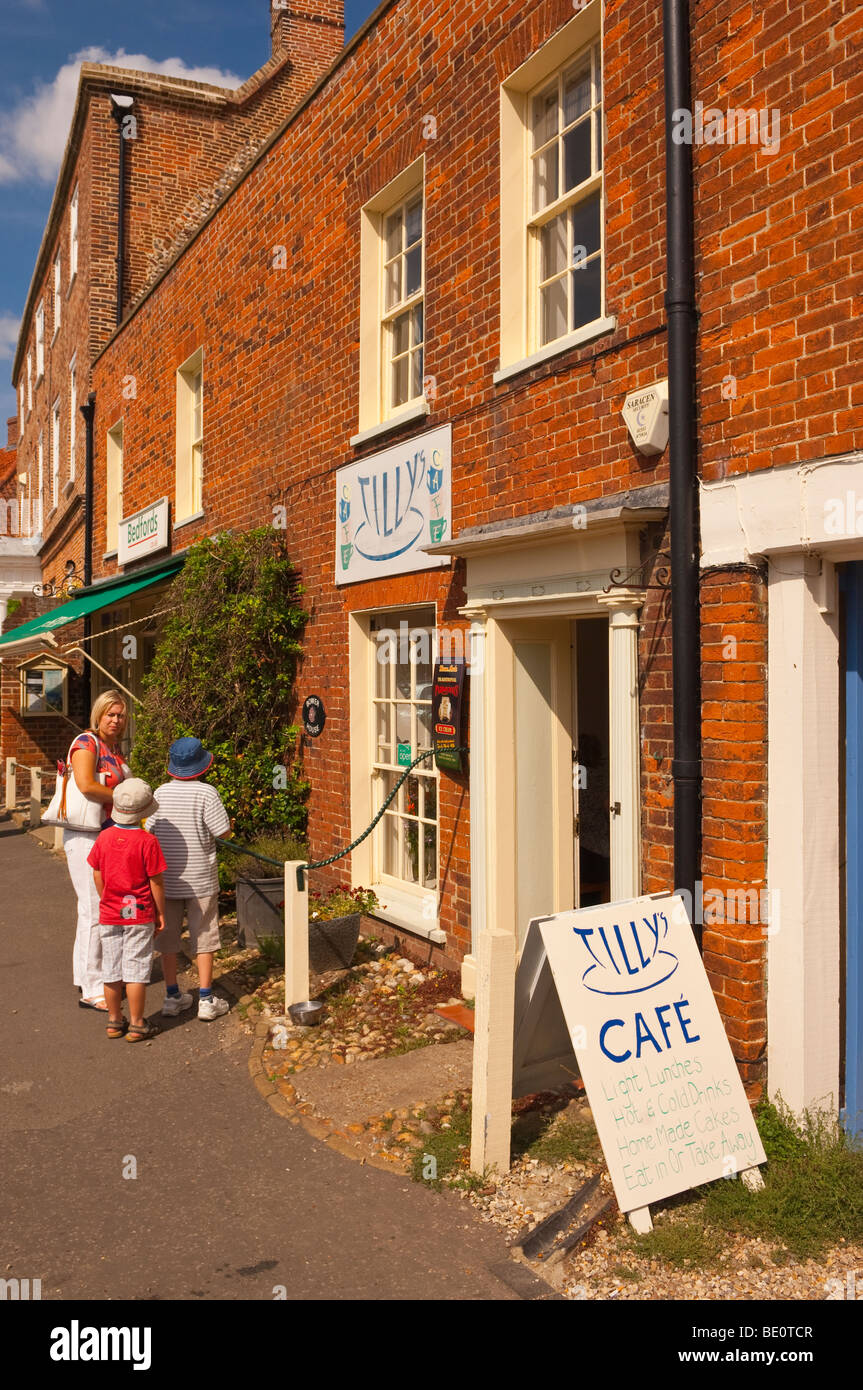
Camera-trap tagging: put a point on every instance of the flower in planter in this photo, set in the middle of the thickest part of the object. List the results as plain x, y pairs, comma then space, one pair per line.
341, 902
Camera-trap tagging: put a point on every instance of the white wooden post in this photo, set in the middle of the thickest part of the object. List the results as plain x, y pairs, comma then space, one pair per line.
11, 784
296, 936
35, 797
491, 1121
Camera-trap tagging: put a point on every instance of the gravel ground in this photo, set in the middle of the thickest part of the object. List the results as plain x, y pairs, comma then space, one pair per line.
383, 1007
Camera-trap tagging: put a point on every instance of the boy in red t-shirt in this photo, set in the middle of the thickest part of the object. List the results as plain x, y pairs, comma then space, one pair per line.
127, 865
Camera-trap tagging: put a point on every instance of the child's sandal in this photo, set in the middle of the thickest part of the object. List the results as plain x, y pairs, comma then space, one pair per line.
141, 1034
115, 1028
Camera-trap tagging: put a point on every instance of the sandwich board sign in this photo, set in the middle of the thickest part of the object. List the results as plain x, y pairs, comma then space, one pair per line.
663, 1087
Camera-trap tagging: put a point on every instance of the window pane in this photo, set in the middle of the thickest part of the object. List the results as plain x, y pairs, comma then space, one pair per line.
545, 178
384, 658
411, 832
597, 75
553, 309
412, 796
576, 156
416, 373
554, 248
401, 334
586, 226
393, 235
544, 116
587, 292
429, 856
383, 739
413, 271
417, 321
424, 727
423, 671
403, 724
414, 223
576, 92
390, 833
597, 121
394, 283
430, 795
400, 381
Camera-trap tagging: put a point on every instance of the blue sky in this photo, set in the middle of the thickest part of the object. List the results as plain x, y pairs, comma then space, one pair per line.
41, 46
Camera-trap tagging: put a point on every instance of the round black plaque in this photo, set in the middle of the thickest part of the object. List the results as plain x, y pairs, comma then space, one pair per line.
314, 715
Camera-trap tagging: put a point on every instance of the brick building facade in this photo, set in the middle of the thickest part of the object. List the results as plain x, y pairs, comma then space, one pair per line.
455, 244
181, 144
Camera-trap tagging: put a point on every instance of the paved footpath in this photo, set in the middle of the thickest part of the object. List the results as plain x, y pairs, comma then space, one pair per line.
229, 1200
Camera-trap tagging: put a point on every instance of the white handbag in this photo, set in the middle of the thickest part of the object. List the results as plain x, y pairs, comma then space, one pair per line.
69, 807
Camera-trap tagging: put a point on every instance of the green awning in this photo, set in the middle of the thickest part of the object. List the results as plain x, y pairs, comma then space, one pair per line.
86, 601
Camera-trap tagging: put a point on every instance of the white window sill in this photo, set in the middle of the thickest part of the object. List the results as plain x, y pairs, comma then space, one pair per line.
69, 488
406, 911
187, 520
406, 417
110, 555
586, 334
72, 283
51, 513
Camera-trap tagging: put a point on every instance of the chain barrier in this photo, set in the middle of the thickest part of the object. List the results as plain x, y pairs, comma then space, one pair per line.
303, 869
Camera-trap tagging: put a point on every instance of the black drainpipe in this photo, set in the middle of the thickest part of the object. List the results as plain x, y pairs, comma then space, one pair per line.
121, 108
680, 306
88, 411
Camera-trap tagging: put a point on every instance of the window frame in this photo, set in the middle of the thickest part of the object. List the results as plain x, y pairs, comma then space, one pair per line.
73, 236
113, 486
40, 340
382, 771
29, 382
73, 408
565, 202
376, 413
520, 345
56, 422
403, 307
58, 294
189, 460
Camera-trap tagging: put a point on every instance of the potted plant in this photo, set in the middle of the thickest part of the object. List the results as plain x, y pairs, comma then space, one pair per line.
334, 926
260, 895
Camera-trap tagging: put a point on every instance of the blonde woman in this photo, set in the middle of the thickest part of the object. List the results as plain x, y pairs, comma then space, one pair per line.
95, 752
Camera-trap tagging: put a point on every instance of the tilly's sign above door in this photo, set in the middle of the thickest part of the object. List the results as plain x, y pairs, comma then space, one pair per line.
664, 1090
391, 504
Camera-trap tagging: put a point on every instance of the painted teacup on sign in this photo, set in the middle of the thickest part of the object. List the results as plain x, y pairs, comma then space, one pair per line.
626, 955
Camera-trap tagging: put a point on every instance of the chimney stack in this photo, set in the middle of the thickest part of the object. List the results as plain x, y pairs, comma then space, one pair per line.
309, 33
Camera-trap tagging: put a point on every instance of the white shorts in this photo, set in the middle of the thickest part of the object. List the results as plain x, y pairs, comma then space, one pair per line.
127, 953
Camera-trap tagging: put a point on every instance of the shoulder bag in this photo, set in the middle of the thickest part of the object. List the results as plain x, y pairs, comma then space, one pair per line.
69, 807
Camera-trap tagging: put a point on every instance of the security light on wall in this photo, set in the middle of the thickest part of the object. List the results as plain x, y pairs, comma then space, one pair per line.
646, 416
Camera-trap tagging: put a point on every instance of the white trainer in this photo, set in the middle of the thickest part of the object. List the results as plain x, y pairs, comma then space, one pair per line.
175, 1004
211, 1008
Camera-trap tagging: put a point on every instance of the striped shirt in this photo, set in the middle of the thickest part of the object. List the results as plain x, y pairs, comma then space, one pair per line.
189, 818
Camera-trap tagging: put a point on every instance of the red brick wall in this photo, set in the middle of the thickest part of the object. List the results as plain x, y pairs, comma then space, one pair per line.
281, 358
778, 235
734, 693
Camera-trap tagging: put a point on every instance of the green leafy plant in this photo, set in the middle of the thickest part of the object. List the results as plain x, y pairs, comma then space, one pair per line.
234, 866
225, 672
341, 902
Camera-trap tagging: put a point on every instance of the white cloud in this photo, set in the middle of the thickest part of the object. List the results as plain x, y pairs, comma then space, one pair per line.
9, 326
33, 134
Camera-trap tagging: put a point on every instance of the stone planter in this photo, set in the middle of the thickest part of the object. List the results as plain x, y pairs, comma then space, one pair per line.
261, 913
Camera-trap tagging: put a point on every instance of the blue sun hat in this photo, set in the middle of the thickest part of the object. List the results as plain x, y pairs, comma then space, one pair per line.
188, 758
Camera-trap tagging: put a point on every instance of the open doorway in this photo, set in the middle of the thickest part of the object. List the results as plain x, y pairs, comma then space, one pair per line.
592, 853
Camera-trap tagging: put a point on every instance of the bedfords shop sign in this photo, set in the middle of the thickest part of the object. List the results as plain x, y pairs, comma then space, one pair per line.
144, 533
